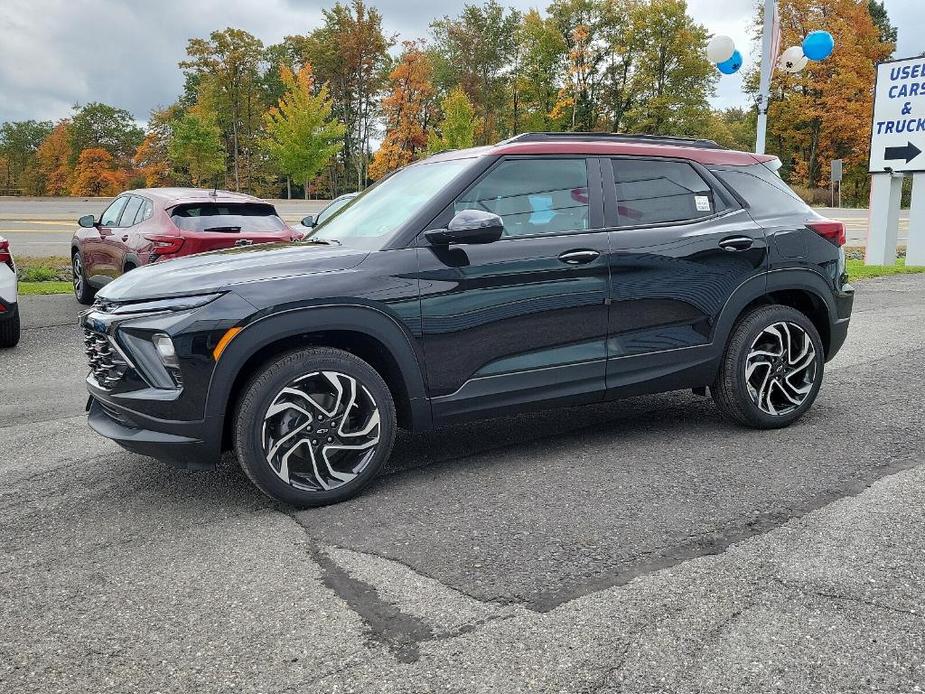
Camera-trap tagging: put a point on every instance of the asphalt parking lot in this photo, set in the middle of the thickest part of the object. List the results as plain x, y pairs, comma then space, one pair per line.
639, 546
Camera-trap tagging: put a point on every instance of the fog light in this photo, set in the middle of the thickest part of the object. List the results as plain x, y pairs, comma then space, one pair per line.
164, 346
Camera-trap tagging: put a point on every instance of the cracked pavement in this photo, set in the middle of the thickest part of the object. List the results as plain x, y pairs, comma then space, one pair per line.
639, 546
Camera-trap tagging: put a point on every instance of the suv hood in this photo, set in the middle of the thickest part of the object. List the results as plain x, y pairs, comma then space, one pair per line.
208, 272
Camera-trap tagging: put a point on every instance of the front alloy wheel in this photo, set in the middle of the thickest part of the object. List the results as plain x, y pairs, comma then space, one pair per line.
314, 426
82, 290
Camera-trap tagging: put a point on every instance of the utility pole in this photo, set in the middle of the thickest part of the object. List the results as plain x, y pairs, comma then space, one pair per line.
764, 85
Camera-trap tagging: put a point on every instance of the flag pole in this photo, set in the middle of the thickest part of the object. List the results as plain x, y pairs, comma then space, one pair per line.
764, 86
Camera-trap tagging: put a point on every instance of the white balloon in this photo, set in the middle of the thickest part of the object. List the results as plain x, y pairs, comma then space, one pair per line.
792, 60
720, 49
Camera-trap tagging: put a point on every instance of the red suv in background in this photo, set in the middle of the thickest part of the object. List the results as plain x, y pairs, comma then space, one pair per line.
144, 226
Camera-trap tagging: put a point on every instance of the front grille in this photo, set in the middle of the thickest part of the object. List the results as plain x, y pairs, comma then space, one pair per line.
106, 365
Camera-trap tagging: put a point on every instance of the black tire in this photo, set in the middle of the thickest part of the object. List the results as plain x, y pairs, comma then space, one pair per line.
83, 292
731, 391
265, 388
10, 330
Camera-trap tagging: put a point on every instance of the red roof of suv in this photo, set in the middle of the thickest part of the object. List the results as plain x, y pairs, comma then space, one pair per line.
587, 144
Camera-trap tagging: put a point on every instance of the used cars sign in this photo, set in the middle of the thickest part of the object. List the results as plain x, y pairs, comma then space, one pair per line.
898, 132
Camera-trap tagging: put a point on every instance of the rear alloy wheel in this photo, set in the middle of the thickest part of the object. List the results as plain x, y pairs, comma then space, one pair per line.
82, 290
772, 368
314, 427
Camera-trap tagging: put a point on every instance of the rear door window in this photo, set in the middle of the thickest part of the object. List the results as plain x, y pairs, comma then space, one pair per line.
653, 191
144, 212
224, 217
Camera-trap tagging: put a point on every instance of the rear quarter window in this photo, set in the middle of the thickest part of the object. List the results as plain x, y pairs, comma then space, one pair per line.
227, 217
765, 192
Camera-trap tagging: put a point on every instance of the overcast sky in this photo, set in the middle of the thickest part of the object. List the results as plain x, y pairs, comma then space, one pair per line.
55, 53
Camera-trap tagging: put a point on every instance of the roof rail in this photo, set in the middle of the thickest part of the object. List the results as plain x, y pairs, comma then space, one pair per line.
618, 137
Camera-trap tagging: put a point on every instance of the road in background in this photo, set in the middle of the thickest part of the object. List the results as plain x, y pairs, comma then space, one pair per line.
43, 226
636, 546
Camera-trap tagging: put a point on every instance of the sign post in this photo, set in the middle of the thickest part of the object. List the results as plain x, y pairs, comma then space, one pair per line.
835, 179
897, 144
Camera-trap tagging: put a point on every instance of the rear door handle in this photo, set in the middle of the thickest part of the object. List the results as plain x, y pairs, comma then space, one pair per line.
579, 257
737, 243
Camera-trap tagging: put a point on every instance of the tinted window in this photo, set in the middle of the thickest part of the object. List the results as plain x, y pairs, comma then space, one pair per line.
228, 217
111, 215
533, 196
763, 190
659, 192
131, 209
144, 212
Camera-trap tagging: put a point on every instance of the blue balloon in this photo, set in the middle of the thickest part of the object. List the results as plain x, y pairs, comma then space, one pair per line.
818, 45
732, 65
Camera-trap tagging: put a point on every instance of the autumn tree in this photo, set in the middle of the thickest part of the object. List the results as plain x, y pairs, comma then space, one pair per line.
53, 159
224, 74
823, 113
302, 135
152, 158
96, 174
408, 112
475, 51
196, 146
459, 125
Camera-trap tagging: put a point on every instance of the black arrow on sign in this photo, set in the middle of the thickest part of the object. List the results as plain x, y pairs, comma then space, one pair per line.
908, 152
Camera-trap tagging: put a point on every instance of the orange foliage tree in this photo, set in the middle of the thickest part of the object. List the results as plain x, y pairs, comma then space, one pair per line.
824, 112
408, 111
96, 175
53, 160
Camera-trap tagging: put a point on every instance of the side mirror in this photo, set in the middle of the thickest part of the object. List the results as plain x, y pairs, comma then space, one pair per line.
468, 226
308, 221
88, 221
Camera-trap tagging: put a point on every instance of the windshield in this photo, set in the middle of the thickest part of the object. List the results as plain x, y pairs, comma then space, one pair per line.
374, 216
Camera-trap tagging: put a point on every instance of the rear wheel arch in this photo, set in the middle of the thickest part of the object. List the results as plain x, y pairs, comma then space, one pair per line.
802, 289
371, 335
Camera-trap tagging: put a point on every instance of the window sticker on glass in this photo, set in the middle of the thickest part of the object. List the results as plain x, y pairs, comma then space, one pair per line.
702, 203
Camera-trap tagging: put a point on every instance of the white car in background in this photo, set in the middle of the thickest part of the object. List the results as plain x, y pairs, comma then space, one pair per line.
9, 307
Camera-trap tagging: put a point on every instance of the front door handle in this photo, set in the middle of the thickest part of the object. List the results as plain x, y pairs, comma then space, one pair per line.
579, 257
737, 243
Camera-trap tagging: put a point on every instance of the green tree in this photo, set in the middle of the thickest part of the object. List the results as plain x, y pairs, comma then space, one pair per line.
224, 71
153, 156
302, 136
673, 77
196, 146
475, 51
459, 125
19, 141
538, 76
100, 126
878, 13
349, 53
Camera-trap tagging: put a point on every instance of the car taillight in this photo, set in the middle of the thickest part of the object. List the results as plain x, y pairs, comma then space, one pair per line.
5, 256
165, 245
829, 229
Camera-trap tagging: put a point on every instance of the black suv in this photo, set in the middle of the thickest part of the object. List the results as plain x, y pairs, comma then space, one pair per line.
547, 270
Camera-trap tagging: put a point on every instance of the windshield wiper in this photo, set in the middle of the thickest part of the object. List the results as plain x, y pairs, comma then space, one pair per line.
322, 242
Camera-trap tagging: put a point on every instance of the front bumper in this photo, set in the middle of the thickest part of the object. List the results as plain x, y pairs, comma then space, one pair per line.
145, 435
